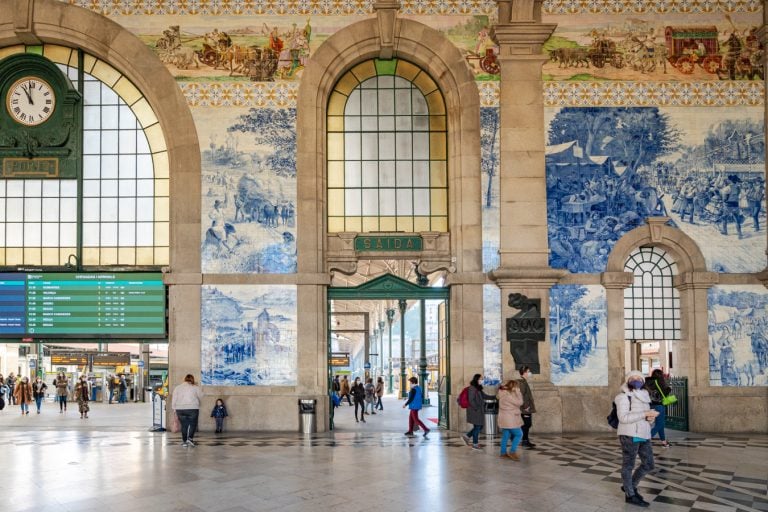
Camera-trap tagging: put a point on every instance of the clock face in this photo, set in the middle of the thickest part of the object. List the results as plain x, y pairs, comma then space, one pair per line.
30, 101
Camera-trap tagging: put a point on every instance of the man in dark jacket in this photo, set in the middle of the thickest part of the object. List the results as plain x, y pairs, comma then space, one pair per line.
528, 407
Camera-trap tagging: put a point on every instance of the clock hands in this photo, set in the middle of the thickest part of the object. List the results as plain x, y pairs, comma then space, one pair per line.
28, 92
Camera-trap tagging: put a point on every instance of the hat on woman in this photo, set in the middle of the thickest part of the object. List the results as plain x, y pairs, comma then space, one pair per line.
634, 374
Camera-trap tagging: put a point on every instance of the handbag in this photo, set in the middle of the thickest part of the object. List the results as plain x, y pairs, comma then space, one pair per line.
175, 424
666, 399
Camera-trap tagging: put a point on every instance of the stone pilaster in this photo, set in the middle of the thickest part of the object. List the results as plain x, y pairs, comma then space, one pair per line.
618, 350
692, 350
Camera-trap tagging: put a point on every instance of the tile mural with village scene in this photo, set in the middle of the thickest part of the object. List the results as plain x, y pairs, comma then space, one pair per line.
738, 335
659, 47
493, 341
249, 190
608, 169
249, 335
276, 48
489, 165
578, 335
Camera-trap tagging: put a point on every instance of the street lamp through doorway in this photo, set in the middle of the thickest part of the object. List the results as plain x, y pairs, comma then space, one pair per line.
390, 318
402, 305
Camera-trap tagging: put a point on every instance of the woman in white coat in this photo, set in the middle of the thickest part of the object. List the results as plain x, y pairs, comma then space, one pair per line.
633, 407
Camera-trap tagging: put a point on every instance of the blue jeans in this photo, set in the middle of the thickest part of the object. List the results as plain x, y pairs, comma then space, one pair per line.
111, 395
62, 399
475, 433
123, 397
38, 402
24, 407
517, 435
658, 425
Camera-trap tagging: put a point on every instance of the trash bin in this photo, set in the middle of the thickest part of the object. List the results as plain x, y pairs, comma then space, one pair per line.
491, 409
307, 415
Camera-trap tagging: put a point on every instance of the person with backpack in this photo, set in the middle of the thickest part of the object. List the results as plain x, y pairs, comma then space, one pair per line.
475, 411
370, 395
657, 389
528, 407
414, 404
358, 391
635, 416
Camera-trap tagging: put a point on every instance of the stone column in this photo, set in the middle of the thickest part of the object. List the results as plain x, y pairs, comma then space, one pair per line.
619, 352
523, 249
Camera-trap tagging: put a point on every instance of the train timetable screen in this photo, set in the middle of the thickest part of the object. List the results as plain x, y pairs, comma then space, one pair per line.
82, 305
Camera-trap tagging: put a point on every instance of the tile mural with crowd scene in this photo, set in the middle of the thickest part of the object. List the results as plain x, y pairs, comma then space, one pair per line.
738, 335
493, 342
249, 190
249, 335
578, 335
608, 169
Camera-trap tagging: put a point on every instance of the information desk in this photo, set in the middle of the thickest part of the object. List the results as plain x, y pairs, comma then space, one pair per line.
82, 304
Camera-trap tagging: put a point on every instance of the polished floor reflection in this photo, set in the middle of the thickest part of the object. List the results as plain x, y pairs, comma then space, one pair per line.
98, 467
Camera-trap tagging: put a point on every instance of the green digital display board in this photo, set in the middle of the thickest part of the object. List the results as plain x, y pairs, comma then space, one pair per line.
54, 305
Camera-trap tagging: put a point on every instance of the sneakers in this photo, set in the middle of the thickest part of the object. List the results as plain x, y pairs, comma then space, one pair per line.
183, 444
465, 438
409, 434
513, 456
636, 500
476, 447
636, 493
528, 445
665, 444
426, 432
190, 442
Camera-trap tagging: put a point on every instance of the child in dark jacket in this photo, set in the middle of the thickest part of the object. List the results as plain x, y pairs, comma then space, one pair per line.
219, 412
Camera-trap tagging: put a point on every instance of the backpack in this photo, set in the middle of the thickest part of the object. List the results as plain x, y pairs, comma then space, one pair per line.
613, 417
463, 399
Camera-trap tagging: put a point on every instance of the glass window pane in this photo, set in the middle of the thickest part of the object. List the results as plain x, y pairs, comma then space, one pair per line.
127, 118
51, 209
90, 234
387, 201
142, 144
91, 142
386, 173
108, 234
91, 188
127, 187
386, 123
68, 188
402, 101
51, 188
68, 209
108, 209
352, 174
353, 104
33, 188
352, 146
369, 123
403, 123
370, 146
370, 174
91, 167
126, 209
386, 101
33, 209
370, 201
404, 202
109, 143
421, 123
403, 146
15, 209
352, 124
68, 234
352, 202
91, 209
50, 234
421, 146
404, 174
91, 117
368, 102
127, 234
15, 188
387, 145
109, 117
14, 234
421, 202
127, 166
420, 174
109, 166
144, 234
145, 208
32, 234
144, 167
109, 188
419, 103
127, 141
145, 188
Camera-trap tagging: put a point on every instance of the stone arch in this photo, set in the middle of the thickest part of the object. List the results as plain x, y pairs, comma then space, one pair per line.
430, 50
656, 232
51, 21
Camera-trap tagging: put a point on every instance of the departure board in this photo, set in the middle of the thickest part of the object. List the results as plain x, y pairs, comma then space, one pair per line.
82, 305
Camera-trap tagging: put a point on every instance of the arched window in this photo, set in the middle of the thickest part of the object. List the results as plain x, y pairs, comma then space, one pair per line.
651, 304
387, 154
125, 182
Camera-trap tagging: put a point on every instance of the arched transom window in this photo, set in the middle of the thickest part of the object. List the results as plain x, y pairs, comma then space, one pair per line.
651, 304
387, 154
118, 214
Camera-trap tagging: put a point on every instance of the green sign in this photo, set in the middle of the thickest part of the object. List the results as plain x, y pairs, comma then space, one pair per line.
388, 243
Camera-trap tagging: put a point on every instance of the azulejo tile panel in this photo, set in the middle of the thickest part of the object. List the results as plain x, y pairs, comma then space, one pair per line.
649, 6
662, 94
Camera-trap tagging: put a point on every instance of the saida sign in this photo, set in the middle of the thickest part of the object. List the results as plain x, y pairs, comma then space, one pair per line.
388, 243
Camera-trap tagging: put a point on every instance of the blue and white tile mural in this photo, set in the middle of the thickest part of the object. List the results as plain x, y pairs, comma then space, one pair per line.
492, 340
738, 335
578, 335
610, 168
249, 191
489, 164
249, 335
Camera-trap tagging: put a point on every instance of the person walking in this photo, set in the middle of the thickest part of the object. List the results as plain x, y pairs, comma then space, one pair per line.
379, 393
123, 388
23, 394
3, 392
633, 408
336, 385
528, 407
38, 392
345, 390
186, 404
414, 404
510, 420
475, 412
111, 387
62, 390
657, 388
358, 392
370, 395
219, 412
11, 383
82, 396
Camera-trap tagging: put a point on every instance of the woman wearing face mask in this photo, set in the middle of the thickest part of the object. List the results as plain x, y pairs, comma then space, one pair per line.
633, 408
528, 407
81, 396
358, 392
62, 389
23, 394
38, 392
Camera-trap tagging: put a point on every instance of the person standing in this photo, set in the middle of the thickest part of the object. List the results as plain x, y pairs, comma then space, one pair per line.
633, 408
475, 412
22, 394
379, 393
219, 412
414, 404
111, 386
186, 404
11, 383
370, 395
336, 385
345, 389
82, 396
528, 407
62, 389
3, 392
38, 392
123, 389
358, 392
510, 420
657, 388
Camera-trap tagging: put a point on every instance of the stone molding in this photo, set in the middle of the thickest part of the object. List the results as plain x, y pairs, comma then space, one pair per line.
616, 280
695, 280
386, 15
527, 277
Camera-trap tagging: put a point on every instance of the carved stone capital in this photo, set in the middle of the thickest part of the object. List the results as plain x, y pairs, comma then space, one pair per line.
527, 277
427, 267
22, 21
386, 14
346, 267
521, 38
695, 280
616, 280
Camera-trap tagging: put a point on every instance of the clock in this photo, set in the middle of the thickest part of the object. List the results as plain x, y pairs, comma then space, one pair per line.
30, 101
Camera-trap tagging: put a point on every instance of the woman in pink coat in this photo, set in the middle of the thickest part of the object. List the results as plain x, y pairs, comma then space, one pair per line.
510, 421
